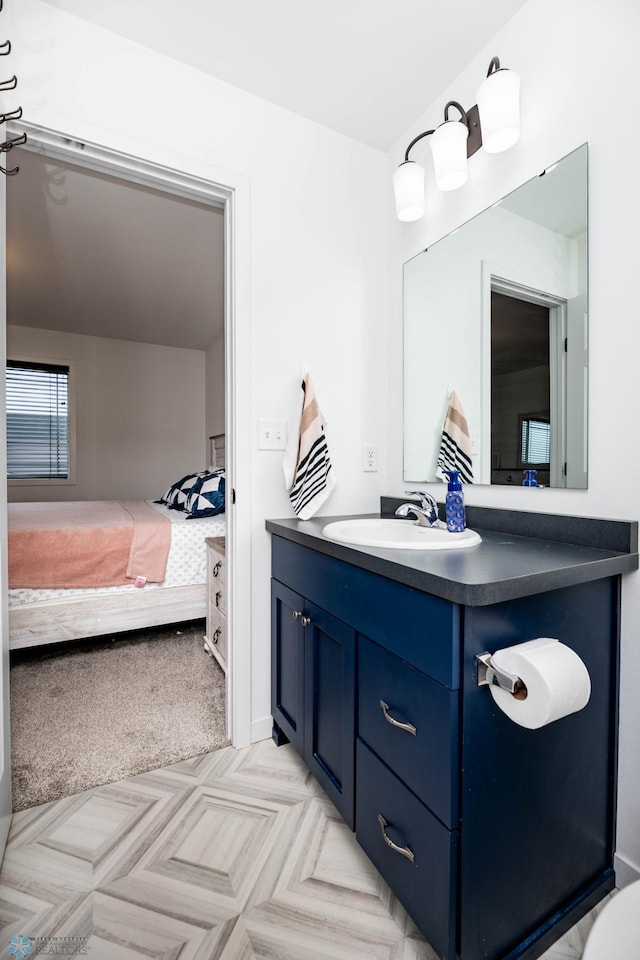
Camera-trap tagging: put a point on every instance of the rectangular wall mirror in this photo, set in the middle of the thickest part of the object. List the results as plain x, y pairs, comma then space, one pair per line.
497, 311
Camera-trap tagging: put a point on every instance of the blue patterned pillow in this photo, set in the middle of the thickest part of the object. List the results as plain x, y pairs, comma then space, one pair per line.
206, 498
176, 496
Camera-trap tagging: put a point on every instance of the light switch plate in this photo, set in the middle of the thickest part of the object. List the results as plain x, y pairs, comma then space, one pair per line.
272, 434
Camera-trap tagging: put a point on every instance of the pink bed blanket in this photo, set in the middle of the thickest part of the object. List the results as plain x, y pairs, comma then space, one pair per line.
93, 543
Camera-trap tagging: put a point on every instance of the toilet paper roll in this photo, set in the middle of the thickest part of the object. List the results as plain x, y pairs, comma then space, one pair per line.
556, 679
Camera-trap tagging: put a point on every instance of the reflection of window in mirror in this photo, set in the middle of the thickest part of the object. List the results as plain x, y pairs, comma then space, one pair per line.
535, 441
522, 344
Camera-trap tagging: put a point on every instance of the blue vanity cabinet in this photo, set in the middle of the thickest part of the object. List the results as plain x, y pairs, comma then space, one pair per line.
496, 838
406, 643
313, 690
538, 806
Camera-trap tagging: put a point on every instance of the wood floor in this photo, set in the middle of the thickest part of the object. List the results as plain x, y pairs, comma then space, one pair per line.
231, 856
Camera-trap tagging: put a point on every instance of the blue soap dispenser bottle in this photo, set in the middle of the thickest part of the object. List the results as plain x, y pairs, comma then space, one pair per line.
454, 503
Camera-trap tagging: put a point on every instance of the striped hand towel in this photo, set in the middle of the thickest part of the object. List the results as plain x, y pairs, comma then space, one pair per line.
455, 446
306, 464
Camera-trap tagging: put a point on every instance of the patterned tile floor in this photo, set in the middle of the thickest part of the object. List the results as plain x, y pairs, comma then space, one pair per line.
231, 856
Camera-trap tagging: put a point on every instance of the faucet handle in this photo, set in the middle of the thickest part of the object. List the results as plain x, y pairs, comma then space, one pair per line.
422, 494
427, 502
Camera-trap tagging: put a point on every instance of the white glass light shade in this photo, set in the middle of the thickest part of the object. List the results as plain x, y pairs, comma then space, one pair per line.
449, 148
499, 108
408, 186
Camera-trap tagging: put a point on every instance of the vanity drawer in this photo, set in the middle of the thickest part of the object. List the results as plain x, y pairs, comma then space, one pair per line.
426, 884
427, 759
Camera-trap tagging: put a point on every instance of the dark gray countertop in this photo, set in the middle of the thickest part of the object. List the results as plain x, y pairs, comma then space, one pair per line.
504, 566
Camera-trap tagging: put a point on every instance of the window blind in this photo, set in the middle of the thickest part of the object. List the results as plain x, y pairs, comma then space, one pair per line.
37, 420
536, 441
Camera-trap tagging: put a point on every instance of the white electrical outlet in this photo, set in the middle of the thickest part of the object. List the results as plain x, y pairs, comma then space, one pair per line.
272, 434
370, 461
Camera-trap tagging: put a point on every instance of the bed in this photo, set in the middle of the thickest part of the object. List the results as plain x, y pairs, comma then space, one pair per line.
42, 614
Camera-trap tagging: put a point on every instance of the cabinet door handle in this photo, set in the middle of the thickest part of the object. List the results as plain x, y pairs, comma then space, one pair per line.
218, 597
409, 727
216, 568
216, 635
297, 614
305, 621
404, 851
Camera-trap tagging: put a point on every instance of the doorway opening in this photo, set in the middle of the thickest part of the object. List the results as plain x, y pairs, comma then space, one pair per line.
223, 200
528, 385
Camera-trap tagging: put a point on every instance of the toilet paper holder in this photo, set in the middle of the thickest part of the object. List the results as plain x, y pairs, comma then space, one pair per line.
488, 674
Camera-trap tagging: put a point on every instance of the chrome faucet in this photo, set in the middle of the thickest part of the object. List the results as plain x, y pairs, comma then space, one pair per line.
426, 513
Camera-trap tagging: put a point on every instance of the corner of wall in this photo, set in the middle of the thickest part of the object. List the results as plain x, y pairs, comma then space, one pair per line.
626, 872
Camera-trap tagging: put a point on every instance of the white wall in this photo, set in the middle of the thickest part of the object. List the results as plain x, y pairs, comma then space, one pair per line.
140, 414
577, 61
318, 216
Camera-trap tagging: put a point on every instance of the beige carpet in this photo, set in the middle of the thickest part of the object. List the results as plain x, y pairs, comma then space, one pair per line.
96, 711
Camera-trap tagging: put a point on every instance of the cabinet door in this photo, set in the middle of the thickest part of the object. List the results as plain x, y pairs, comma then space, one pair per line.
329, 738
287, 662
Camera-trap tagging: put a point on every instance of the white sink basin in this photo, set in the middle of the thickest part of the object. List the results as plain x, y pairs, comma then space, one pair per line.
398, 534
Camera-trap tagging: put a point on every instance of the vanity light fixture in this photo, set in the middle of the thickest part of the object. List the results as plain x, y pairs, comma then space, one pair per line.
494, 122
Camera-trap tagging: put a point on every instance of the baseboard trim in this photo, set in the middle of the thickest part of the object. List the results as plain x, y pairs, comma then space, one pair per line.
261, 729
626, 872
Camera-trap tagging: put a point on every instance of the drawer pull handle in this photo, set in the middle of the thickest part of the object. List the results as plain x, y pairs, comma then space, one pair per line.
218, 597
409, 727
216, 569
409, 854
216, 635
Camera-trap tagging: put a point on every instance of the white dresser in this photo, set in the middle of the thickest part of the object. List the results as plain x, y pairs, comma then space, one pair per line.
215, 640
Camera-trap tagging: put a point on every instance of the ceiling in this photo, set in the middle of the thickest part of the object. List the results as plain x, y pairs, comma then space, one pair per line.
366, 68
92, 254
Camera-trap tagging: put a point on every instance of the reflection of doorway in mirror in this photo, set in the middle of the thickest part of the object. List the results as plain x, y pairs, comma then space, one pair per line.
528, 377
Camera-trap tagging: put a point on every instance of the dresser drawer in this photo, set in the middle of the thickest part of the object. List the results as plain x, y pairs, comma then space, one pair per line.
425, 884
216, 639
217, 575
425, 755
217, 597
